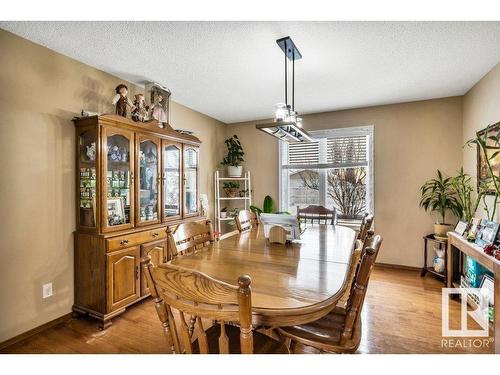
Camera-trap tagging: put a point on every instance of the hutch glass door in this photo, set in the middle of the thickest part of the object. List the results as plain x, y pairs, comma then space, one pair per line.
119, 179
190, 181
148, 197
171, 180
87, 161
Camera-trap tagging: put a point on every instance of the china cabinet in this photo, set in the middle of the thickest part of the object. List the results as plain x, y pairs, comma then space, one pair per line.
133, 181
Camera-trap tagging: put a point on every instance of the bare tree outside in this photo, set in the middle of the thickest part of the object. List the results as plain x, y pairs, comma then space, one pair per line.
346, 187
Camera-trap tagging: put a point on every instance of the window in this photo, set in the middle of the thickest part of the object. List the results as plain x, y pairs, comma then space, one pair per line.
334, 171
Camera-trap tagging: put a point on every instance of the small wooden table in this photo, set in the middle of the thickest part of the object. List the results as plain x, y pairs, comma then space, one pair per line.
292, 284
458, 243
442, 246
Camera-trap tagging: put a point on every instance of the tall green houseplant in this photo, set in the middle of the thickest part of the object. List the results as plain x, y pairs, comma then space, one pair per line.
234, 157
464, 192
439, 196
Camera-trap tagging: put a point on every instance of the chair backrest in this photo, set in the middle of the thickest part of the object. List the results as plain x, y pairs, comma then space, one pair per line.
245, 220
353, 268
366, 225
189, 237
201, 297
318, 213
369, 254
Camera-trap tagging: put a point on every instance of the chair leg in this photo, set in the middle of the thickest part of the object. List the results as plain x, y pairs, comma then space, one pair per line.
288, 342
292, 345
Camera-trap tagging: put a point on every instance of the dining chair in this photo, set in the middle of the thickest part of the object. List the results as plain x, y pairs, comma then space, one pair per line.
340, 330
188, 238
245, 220
200, 299
366, 225
353, 266
318, 213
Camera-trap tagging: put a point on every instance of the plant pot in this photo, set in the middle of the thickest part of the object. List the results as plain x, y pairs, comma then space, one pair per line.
441, 230
223, 214
234, 171
231, 192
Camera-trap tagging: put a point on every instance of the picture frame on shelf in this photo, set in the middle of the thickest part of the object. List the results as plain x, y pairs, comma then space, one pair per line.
116, 211
475, 223
488, 288
487, 233
461, 227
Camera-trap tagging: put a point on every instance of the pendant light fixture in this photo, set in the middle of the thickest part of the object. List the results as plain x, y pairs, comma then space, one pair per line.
287, 126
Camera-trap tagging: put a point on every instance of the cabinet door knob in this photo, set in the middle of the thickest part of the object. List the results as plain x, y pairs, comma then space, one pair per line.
123, 242
155, 234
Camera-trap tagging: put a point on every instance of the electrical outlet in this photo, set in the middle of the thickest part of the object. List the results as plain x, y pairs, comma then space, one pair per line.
46, 290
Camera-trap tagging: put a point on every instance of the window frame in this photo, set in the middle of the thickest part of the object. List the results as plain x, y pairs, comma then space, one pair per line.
322, 166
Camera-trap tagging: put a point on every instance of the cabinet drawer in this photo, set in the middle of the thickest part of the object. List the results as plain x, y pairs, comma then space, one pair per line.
122, 242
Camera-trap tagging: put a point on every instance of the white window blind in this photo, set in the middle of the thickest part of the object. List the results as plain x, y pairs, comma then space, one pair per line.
310, 171
303, 153
347, 150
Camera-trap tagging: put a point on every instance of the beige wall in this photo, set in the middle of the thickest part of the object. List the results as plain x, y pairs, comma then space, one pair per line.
41, 91
411, 141
481, 108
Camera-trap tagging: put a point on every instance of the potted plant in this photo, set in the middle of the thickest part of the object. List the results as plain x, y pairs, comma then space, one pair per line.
223, 213
234, 157
231, 189
464, 191
438, 196
267, 208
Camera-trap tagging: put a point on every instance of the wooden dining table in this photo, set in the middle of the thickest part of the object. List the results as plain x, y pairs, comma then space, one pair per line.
291, 284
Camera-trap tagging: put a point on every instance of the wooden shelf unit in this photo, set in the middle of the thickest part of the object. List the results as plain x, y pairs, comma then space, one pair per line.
154, 171
247, 200
457, 248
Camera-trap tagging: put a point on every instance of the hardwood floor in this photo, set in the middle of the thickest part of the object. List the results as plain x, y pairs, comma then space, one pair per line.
402, 314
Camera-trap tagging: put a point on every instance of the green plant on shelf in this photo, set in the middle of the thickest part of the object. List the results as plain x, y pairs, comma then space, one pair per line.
231, 185
235, 152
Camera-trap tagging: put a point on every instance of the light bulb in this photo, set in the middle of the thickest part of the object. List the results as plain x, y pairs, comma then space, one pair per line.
279, 112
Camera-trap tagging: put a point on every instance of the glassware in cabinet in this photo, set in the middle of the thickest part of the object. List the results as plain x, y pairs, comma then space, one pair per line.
190, 181
171, 180
119, 179
87, 162
148, 181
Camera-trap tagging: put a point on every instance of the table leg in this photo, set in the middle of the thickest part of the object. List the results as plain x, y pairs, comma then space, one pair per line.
424, 270
449, 268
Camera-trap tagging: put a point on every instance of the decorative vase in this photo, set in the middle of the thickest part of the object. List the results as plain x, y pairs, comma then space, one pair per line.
233, 171
223, 214
441, 230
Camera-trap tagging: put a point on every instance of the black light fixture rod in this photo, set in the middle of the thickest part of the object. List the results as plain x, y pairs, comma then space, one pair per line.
293, 80
286, 79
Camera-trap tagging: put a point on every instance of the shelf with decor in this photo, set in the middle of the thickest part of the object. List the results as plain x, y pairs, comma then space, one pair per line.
459, 252
134, 181
234, 198
223, 188
232, 178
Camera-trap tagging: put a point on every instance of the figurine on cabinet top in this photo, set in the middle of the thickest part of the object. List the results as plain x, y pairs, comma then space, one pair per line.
140, 113
159, 99
121, 101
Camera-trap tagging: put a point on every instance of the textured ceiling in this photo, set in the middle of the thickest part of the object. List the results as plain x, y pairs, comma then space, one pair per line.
233, 71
